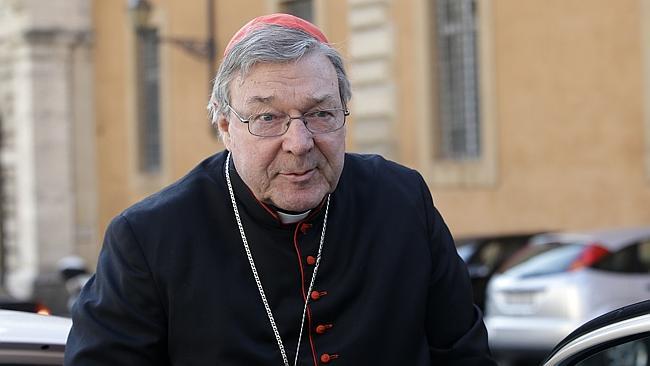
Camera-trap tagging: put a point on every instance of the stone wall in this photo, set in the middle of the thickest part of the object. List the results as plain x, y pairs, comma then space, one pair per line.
47, 149
371, 65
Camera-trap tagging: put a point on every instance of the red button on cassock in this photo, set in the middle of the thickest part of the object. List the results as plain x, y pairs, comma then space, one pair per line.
305, 227
311, 260
322, 328
326, 357
315, 295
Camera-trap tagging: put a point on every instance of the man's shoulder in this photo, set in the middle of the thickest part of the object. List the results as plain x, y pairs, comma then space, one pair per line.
366, 175
184, 194
375, 166
385, 186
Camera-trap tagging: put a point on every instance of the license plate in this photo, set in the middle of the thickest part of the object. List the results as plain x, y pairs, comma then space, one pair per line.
520, 298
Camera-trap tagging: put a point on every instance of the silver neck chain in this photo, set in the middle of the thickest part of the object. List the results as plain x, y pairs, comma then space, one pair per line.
257, 277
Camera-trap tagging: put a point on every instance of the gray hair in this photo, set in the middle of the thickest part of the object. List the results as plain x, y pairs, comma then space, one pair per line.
270, 44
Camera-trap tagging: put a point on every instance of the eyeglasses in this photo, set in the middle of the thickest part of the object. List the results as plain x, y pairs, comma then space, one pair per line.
277, 124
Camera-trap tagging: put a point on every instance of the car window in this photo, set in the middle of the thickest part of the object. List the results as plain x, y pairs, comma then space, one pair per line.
644, 254
542, 259
509, 248
632, 353
632, 259
465, 251
490, 254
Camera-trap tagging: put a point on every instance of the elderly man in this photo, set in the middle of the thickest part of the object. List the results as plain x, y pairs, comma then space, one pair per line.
283, 249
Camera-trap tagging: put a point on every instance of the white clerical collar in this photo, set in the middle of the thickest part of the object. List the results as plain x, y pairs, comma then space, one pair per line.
286, 218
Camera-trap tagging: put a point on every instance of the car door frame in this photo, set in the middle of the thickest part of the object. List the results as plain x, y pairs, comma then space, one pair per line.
617, 327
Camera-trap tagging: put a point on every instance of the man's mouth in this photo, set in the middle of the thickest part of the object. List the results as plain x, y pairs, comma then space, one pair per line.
298, 176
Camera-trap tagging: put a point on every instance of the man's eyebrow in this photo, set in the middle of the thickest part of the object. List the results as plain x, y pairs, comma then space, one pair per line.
323, 99
314, 101
260, 100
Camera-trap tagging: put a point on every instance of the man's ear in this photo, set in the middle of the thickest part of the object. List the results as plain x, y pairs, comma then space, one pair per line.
223, 126
220, 122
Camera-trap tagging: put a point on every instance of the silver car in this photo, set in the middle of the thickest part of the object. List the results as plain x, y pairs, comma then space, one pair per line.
560, 281
32, 339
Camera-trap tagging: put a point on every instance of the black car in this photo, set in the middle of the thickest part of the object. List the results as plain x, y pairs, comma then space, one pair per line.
485, 254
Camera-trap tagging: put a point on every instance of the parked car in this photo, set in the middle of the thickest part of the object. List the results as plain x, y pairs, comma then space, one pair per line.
32, 339
485, 254
560, 281
618, 338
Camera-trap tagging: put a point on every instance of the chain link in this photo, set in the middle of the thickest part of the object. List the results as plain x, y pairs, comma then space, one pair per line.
267, 307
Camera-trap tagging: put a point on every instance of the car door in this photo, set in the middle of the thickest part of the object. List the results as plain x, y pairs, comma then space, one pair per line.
618, 338
633, 351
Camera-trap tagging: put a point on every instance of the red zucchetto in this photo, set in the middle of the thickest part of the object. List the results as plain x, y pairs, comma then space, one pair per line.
284, 20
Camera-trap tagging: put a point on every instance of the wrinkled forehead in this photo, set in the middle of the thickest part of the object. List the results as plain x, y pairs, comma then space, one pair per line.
310, 80
250, 64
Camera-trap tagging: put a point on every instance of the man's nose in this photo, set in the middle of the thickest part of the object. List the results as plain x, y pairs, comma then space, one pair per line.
298, 139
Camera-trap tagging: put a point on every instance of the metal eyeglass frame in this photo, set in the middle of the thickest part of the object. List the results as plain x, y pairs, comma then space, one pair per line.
346, 113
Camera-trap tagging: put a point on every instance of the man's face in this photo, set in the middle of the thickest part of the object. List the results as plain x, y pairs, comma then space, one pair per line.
296, 170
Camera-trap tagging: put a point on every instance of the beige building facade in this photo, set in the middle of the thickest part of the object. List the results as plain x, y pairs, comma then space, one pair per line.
562, 91
521, 115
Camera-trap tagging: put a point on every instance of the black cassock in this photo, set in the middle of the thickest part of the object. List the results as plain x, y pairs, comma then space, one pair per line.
174, 286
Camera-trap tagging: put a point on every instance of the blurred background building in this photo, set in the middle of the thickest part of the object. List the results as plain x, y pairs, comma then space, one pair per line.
522, 116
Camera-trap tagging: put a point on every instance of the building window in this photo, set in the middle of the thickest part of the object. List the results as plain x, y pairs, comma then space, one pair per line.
458, 81
148, 93
301, 8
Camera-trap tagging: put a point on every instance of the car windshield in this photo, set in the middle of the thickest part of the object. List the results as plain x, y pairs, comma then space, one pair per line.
542, 259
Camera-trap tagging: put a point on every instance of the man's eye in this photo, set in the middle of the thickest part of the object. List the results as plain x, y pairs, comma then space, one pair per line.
266, 117
321, 114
